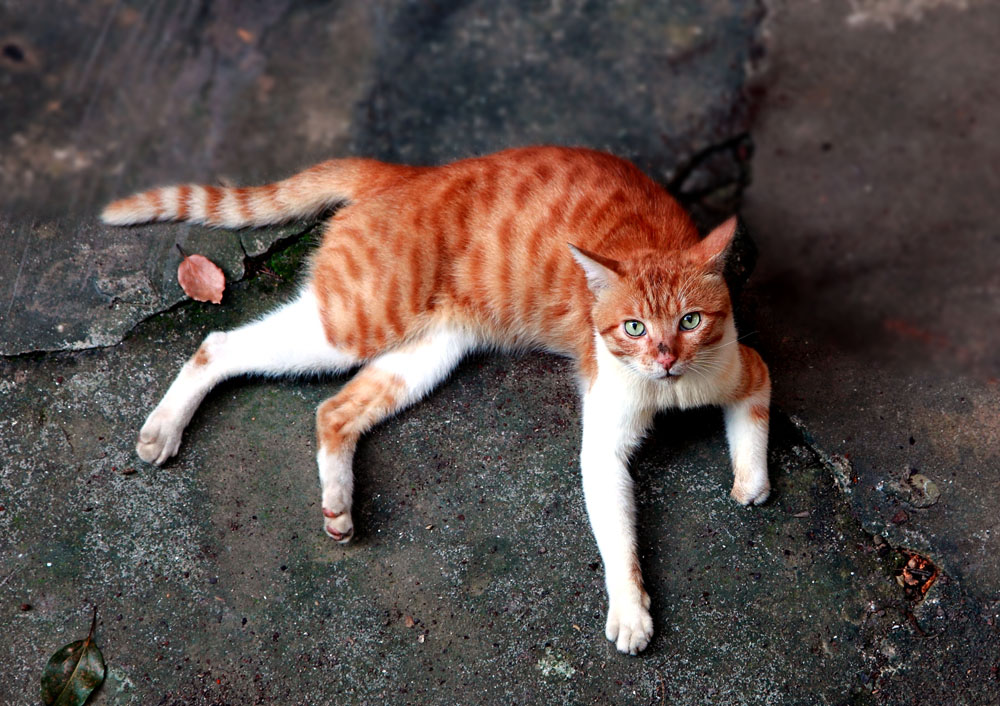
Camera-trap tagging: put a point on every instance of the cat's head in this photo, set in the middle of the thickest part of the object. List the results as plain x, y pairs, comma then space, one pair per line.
663, 314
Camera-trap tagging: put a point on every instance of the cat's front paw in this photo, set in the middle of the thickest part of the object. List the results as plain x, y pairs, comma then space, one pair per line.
338, 525
747, 493
159, 438
630, 626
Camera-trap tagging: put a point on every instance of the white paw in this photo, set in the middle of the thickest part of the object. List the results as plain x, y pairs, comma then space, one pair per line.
160, 437
747, 493
338, 525
630, 625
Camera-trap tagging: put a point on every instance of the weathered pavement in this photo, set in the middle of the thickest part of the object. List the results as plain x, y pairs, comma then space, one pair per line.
474, 578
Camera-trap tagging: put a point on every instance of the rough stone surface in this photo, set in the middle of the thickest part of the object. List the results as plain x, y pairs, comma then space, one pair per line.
474, 578
874, 208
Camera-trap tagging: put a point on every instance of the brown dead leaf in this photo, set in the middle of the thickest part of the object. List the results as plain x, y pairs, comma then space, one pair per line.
201, 279
408, 621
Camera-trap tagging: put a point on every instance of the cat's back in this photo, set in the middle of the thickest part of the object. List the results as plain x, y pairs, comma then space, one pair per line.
485, 240
518, 209
595, 197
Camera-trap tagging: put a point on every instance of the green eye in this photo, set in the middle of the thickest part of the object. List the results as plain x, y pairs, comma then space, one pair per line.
690, 321
635, 328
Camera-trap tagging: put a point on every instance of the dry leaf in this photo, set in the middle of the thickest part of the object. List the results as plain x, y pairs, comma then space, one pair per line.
408, 621
73, 672
200, 278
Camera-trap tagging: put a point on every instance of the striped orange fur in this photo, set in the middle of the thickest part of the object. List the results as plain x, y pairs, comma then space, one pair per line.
299, 196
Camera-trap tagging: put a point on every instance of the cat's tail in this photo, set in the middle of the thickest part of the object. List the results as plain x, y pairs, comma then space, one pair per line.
299, 196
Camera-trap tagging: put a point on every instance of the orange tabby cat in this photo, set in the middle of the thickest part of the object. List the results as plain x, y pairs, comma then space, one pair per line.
568, 250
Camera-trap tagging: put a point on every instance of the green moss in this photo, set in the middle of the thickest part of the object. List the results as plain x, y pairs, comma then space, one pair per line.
287, 262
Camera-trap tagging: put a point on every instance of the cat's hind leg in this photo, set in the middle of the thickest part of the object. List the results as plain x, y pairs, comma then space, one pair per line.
389, 383
747, 421
290, 340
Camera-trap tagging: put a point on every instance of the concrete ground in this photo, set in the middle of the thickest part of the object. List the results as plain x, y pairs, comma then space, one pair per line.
474, 578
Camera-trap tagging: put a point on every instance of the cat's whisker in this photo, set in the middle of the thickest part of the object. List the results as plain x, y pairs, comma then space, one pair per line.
718, 346
698, 372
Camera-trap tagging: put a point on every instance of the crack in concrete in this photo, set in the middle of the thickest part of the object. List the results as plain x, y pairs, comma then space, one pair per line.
882, 535
739, 146
250, 267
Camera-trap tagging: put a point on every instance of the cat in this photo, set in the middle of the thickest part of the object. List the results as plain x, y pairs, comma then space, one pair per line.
571, 251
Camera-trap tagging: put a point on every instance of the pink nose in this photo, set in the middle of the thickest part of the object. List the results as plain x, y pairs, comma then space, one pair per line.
666, 360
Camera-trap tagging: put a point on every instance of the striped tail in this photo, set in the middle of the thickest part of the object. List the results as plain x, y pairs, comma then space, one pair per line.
300, 196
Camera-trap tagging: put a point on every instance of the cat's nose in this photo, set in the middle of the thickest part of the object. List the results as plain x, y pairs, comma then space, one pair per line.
667, 360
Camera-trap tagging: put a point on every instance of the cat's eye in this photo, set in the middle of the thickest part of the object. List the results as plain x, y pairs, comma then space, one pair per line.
690, 321
635, 328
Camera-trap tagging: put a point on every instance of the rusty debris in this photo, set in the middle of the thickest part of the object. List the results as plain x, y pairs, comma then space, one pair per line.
917, 575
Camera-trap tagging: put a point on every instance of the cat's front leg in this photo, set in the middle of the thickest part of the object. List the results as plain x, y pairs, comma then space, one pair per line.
612, 427
747, 421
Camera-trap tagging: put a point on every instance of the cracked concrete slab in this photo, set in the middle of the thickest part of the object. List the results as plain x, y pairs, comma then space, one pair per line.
474, 578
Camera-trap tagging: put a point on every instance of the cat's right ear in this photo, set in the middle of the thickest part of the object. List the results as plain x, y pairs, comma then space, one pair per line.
601, 271
714, 247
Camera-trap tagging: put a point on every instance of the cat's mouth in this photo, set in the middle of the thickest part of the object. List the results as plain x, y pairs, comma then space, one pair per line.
666, 375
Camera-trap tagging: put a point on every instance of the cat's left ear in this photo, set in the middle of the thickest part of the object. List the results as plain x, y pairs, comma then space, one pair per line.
714, 247
601, 271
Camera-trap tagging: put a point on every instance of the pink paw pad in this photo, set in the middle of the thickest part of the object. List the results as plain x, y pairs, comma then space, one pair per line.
338, 535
